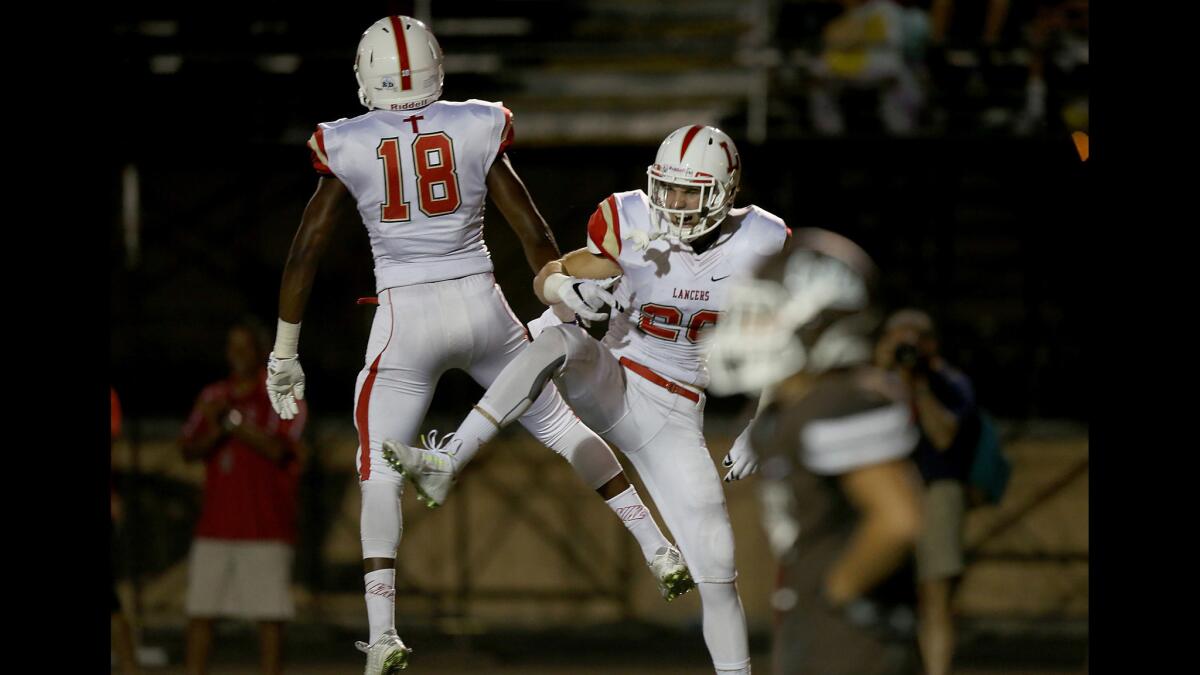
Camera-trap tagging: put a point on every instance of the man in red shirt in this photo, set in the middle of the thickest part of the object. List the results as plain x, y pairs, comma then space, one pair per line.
241, 557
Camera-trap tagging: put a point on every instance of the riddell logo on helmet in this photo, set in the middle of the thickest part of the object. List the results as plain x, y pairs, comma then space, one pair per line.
667, 170
407, 106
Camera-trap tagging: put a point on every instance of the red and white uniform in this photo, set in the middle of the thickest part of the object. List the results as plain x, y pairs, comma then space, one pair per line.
640, 387
420, 180
671, 293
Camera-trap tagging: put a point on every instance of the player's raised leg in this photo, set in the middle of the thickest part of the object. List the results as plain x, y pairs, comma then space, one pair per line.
523, 391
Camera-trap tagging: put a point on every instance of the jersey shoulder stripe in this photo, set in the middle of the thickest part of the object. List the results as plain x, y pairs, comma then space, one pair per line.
506, 134
320, 159
604, 229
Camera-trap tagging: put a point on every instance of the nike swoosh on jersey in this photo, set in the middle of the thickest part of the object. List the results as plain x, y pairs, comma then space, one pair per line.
719, 278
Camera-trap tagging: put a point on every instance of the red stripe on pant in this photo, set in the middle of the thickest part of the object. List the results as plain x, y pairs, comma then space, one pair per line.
364, 434
361, 415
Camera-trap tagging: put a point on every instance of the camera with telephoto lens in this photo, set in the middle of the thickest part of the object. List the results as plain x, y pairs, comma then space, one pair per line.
909, 357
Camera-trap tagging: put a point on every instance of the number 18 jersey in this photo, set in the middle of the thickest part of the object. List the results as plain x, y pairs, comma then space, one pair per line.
420, 180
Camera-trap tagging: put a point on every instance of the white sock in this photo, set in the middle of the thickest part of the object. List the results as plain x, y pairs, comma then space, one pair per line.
637, 519
381, 601
472, 434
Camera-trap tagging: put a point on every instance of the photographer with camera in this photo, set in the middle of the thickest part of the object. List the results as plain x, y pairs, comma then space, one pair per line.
943, 404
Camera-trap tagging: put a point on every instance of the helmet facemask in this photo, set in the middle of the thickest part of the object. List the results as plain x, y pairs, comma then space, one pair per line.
686, 223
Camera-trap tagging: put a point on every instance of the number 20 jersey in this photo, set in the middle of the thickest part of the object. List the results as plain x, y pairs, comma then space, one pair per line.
420, 180
670, 293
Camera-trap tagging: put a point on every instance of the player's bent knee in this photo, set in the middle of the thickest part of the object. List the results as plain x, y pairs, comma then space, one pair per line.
588, 454
550, 345
524, 380
715, 563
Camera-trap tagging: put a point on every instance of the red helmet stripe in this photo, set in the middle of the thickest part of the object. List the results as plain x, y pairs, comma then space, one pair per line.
687, 140
402, 49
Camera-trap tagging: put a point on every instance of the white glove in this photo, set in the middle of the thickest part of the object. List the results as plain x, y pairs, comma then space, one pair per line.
285, 385
741, 457
586, 297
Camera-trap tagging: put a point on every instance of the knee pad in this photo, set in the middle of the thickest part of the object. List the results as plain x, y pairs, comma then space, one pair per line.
588, 454
711, 558
380, 522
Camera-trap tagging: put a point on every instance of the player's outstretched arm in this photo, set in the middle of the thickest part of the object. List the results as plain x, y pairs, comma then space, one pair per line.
742, 459
514, 202
285, 377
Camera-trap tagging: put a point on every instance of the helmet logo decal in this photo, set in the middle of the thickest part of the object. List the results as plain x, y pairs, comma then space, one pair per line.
402, 50
733, 163
687, 140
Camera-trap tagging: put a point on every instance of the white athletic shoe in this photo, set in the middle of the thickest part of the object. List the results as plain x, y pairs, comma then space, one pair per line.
431, 469
387, 656
671, 572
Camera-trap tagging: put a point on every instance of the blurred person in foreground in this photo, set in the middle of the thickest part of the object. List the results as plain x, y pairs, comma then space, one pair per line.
943, 404
121, 632
841, 498
241, 559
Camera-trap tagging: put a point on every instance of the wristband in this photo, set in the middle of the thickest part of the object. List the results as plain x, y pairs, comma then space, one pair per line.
287, 339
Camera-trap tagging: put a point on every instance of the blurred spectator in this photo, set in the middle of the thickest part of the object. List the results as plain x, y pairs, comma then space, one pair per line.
948, 26
241, 558
943, 402
841, 498
1056, 94
122, 633
870, 46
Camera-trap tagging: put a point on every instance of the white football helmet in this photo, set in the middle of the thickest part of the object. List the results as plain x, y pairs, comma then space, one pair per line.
398, 65
807, 308
695, 157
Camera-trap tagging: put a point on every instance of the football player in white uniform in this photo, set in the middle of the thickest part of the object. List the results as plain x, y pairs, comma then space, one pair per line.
418, 170
675, 248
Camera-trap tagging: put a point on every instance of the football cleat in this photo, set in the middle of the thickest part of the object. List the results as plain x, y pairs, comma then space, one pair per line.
387, 656
431, 468
674, 578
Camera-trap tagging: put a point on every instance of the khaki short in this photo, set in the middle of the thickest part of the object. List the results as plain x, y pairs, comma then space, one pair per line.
939, 549
240, 579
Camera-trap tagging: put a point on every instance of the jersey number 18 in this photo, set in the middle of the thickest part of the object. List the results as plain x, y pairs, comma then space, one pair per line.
437, 181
